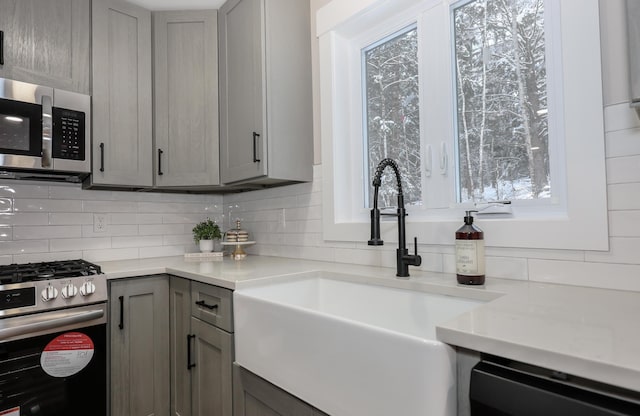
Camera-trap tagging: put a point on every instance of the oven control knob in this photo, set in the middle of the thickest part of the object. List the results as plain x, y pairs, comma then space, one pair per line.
69, 291
49, 293
87, 288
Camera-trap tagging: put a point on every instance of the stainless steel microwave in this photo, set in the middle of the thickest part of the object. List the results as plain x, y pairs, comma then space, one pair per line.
44, 132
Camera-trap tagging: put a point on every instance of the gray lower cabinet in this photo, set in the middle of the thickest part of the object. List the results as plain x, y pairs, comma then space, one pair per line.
122, 112
139, 346
47, 42
186, 98
255, 396
201, 349
266, 115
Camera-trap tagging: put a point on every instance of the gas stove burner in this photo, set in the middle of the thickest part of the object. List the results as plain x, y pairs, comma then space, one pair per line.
18, 273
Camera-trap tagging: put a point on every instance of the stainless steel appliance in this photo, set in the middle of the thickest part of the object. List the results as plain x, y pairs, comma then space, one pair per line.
44, 132
53, 339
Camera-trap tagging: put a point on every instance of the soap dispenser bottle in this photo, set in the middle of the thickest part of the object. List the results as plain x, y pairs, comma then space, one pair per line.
470, 253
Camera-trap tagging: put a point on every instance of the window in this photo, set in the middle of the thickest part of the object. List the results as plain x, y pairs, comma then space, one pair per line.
477, 100
501, 100
391, 105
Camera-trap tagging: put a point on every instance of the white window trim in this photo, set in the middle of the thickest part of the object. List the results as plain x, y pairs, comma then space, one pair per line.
583, 226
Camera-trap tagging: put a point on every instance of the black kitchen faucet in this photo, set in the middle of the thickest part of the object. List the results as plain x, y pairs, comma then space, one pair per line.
403, 258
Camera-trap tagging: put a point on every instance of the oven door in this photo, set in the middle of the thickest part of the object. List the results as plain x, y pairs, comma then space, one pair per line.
25, 124
54, 363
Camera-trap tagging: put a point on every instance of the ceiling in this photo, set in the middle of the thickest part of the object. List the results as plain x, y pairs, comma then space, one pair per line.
178, 4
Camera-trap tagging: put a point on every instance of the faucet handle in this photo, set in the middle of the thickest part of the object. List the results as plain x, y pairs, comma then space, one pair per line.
417, 260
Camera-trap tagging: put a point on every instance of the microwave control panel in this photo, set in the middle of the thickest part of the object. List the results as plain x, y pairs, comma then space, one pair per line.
68, 134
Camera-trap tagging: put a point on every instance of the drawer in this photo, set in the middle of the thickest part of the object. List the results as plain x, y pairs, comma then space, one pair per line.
212, 304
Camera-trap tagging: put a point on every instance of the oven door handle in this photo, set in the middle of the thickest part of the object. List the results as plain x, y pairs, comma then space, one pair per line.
32, 324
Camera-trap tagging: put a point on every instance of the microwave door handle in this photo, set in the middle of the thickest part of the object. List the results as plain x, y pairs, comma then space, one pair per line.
47, 131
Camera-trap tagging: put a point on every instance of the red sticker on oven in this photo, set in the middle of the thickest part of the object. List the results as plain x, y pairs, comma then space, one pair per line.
10, 412
67, 354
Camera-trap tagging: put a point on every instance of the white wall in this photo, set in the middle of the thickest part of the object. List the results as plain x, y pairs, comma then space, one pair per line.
43, 222
287, 221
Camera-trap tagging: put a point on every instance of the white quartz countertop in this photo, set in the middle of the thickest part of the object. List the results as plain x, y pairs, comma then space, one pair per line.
586, 332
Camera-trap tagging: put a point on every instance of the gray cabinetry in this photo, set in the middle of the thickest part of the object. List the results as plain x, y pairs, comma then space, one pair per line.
186, 98
202, 353
255, 396
265, 91
139, 341
47, 42
121, 68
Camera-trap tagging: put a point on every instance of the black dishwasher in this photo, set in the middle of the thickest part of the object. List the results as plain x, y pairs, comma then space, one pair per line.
502, 387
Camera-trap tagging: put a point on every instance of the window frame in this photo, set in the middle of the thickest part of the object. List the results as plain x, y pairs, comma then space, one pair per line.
582, 221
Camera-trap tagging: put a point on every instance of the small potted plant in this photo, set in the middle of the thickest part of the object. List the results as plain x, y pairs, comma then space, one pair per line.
204, 233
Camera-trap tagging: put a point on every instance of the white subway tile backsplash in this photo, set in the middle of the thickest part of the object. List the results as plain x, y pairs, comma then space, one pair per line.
110, 254
24, 232
63, 218
22, 247
161, 229
623, 143
6, 233
111, 231
39, 257
623, 196
620, 117
26, 218
79, 244
136, 241
11, 189
109, 206
146, 252
47, 205
604, 275
624, 223
623, 169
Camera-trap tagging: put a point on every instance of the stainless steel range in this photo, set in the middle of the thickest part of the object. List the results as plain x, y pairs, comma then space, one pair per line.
53, 339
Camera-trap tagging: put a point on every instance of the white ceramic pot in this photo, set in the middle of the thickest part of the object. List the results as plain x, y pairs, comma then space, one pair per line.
206, 246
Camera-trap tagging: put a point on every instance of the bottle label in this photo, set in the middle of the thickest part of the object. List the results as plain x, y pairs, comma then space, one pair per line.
470, 257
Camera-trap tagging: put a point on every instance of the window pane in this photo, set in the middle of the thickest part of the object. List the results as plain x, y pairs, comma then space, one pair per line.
392, 118
502, 135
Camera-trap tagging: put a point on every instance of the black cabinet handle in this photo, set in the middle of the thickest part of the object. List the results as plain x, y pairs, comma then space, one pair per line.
101, 157
121, 324
204, 304
1, 47
189, 364
256, 136
160, 152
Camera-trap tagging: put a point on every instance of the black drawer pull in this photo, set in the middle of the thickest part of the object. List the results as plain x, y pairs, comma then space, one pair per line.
101, 157
121, 324
189, 364
160, 152
256, 136
1, 47
204, 304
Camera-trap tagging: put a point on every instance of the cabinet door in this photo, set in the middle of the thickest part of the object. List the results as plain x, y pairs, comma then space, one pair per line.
212, 374
179, 327
47, 42
242, 105
186, 98
122, 141
139, 339
255, 396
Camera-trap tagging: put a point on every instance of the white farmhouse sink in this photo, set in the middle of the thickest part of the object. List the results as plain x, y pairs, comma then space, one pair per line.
350, 348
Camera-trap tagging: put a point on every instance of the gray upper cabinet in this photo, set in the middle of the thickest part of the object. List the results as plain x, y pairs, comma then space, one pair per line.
266, 131
186, 98
122, 112
139, 344
47, 42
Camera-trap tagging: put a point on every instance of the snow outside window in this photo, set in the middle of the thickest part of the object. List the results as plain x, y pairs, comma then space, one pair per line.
477, 100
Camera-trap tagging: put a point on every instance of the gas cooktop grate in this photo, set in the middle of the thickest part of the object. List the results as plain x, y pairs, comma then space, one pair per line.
17, 273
